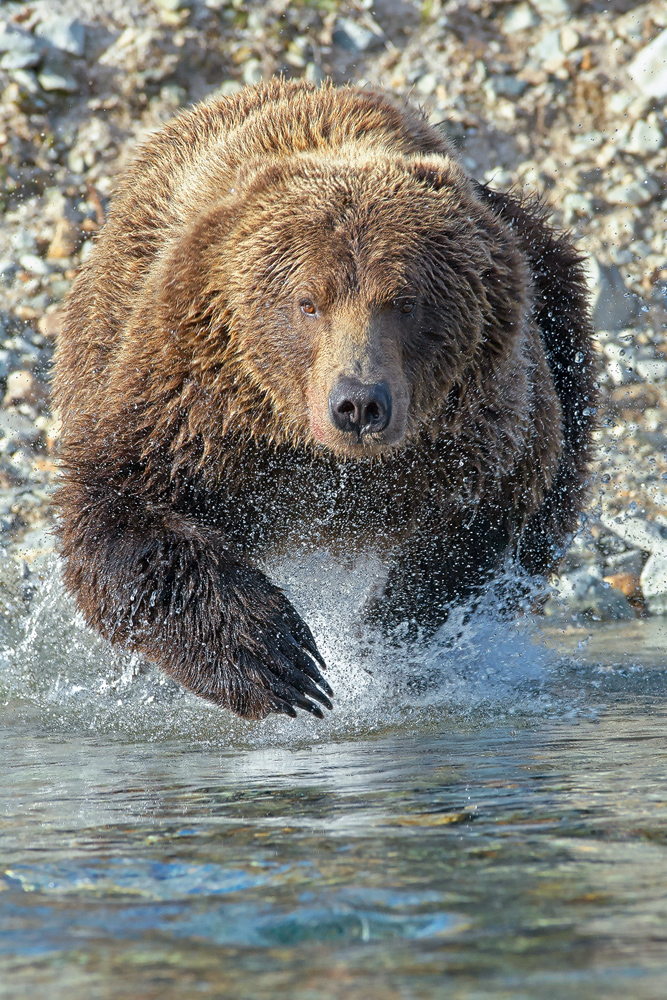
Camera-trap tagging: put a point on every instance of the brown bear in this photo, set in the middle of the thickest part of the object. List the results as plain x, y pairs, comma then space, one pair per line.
304, 324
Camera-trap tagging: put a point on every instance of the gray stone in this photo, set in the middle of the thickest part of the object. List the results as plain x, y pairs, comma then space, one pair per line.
633, 193
21, 50
314, 73
173, 5
52, 80
18, 428
652, 370
585, 591
26, 80
548, 49
519, 18
34, 265
646, 137
353, 37
7, 270
569, 39
613, 304
638, 532
427, 83
653, 582
552, 10
23, 241
505, 86
252, 72
648, 70
64, 33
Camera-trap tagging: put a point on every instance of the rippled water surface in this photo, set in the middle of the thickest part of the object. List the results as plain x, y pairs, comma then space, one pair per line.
486, 817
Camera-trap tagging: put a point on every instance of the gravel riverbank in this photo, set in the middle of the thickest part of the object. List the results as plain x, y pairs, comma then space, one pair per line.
561, 97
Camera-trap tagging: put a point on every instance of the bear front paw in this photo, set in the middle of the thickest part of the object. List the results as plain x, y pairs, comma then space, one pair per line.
275, 660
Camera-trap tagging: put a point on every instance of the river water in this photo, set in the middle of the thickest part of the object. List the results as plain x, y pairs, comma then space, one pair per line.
483, 817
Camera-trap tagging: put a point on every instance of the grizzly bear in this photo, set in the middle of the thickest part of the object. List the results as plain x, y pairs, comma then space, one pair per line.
303, 324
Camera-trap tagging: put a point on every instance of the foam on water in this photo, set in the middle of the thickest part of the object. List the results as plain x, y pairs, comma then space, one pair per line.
482, 663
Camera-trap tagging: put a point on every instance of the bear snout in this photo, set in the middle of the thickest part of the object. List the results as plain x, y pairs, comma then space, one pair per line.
358, 408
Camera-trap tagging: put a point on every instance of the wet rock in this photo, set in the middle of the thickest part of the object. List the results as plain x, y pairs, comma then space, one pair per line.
65, 240
584, 591
252, 72
314, 73
51, 324
646, 137
23, 241
632, 193
21, 49
552, 10
638, 531
16, 428
427, 83
548, 50
654, 583
64, 33
34, 265
519, 18
652, 370
173, 5
34, 545
353, 37
613, 305
54, 80
648, 69
505, 86
23, 387
569, 39
627, 583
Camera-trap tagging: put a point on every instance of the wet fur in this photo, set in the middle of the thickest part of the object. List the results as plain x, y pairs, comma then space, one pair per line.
190, 406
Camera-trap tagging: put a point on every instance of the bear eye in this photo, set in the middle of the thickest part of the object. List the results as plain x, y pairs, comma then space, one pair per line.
406, 306
308, 307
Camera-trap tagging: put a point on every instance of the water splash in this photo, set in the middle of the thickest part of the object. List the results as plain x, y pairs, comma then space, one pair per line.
482, 663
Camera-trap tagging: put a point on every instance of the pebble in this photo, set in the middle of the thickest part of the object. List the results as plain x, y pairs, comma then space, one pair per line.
65, 240
34, 265
569, 39
23, 387
633, 193
21, 49
64, 33
645, 138
353, 37
519, 18
427, 83
51, 80
252, 72
648, 70
173, 5
613, 305
17, 428
548, 50
505, 86
585, 591
652, 370
552, 10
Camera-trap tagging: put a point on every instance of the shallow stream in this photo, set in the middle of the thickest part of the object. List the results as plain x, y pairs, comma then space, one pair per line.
482, 818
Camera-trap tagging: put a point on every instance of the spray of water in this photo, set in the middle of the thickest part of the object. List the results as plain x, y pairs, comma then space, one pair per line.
482, 663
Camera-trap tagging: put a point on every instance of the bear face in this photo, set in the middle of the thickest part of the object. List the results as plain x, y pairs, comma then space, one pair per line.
358, 292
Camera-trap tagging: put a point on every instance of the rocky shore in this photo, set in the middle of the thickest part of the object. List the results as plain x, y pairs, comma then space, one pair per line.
567, 98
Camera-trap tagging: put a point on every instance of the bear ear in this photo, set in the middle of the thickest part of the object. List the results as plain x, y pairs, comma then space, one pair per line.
437, 172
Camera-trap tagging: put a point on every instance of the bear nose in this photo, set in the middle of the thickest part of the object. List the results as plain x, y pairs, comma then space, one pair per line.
360, 408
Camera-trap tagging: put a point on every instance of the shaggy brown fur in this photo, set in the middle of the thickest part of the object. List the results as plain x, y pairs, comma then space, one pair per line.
262, 248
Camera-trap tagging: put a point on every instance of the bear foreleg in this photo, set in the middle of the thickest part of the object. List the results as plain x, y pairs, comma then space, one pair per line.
163, 585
